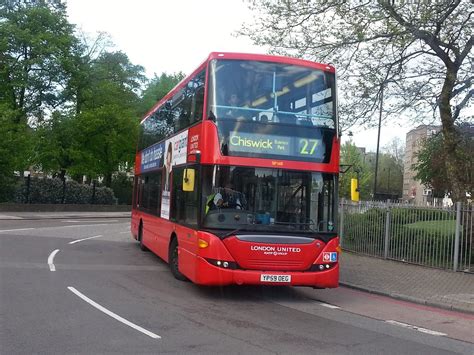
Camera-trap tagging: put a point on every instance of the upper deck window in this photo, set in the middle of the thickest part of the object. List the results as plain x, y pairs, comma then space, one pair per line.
271, 93
182, 110
272, 110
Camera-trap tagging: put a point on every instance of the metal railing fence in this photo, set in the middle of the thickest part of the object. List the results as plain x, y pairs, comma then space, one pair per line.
466, 240
434, 237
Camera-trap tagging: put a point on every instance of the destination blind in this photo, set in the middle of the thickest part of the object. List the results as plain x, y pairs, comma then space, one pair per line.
258, 144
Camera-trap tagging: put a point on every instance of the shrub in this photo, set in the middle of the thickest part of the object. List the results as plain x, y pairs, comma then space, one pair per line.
364, 232
412, 215
7, 188
123, 188
53, 191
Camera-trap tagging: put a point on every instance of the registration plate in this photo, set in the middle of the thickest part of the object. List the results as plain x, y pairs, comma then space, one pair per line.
275, 278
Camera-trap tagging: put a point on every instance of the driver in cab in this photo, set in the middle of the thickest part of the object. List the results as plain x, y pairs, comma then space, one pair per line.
226, 198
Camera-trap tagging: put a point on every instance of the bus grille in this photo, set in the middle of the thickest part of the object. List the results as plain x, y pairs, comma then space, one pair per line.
274, 264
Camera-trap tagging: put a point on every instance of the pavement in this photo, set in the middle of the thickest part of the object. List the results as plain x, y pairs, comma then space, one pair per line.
408, 282
433, 287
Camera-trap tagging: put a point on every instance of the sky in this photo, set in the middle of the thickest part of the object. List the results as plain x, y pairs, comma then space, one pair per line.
177, 35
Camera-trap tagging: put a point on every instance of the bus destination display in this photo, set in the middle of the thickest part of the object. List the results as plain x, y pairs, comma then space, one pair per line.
244, 142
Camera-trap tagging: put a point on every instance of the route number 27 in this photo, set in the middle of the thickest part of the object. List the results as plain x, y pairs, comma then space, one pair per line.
308, 146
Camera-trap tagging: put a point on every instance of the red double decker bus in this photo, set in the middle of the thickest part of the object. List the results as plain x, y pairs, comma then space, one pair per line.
236, 174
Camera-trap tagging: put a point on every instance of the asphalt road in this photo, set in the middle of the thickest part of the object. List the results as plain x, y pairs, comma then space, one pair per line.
103, 295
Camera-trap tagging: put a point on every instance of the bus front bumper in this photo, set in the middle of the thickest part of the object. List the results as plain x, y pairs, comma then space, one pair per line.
210, 275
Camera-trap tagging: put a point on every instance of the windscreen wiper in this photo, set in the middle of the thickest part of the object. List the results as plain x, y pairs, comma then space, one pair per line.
309, 224
243, 228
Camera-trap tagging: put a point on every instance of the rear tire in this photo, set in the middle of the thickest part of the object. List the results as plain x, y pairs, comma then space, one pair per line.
140, 238
173, 261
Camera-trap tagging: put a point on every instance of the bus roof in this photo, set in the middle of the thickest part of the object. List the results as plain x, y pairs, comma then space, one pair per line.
270, 58
240, 56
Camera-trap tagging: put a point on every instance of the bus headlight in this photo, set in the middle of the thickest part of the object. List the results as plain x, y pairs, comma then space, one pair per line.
223, 264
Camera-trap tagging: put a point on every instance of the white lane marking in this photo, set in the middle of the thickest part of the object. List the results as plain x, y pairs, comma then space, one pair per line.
414, 327
89, 221
77, 225
112, 314
127, 232
56, 227
327, 305
6, 216
80, 240
14, 230
51, 259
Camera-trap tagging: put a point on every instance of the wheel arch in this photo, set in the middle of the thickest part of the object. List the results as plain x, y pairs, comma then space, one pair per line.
173, 237
140, 229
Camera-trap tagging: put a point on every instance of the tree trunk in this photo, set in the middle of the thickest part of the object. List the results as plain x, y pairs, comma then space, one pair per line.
451, 139
108, 179
62, 174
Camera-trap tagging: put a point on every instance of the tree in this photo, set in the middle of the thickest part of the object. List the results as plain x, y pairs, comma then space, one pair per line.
390, 176
354, 157
68, 105
157, 88
431, 163
107, 125
396, 149
86, 51
35, 44
54, 140
416, 54
13, 150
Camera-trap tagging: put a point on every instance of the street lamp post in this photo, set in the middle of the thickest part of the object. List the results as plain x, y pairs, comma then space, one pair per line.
378, 143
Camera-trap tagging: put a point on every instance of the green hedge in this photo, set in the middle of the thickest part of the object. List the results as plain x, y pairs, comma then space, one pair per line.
122, 186
364, 232
52, 190
413, 215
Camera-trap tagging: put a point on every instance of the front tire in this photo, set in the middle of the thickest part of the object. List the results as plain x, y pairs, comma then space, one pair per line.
173, 261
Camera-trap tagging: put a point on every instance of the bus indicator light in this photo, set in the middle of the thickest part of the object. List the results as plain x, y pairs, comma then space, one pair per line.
202, 244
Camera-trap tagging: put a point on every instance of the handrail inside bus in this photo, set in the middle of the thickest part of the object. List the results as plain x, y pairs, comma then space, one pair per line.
267, 110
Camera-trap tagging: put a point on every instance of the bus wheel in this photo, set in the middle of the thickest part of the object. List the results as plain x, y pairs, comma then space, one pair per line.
140, 238
173, 260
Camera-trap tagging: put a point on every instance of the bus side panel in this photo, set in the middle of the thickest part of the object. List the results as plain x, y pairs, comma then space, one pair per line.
187, 242
163, 230
156, 235
148, 232
187, 264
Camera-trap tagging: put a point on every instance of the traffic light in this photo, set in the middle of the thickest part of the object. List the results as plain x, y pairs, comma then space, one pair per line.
355, 190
